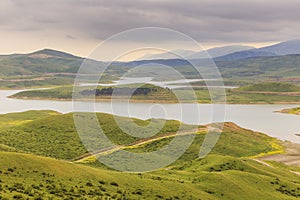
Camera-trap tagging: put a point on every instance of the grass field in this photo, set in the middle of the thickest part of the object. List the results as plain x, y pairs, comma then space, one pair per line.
34, 82
229, 172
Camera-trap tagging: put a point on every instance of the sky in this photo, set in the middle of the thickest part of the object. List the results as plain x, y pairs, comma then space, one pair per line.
78, 26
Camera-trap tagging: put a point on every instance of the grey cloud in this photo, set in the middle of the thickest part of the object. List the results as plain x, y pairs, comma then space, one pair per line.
71, 37
205, 20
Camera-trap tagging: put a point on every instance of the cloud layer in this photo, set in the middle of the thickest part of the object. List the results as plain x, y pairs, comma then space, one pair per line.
230, 21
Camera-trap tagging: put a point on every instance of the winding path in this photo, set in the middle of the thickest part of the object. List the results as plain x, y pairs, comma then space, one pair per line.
138, 143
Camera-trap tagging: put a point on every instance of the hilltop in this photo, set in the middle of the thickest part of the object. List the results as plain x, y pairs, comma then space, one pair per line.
283, 48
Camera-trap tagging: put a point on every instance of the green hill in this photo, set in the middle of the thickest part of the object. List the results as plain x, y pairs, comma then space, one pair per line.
13, 119
215, 177
56, 136
270, 87
262, 68
39, 62
44, 68
42, 63
229, 172
27, 176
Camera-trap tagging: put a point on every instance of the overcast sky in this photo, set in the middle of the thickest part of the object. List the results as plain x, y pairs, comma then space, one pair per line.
77, 26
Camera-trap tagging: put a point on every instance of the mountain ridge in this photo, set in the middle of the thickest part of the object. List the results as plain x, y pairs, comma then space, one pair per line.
234, 52
290, 47
189, 54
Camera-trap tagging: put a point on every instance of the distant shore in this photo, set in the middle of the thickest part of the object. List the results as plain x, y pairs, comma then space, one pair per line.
155, 101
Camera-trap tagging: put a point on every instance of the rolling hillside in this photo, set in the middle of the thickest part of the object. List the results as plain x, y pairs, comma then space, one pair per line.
270, 87
50, 67
44, 61
231, 164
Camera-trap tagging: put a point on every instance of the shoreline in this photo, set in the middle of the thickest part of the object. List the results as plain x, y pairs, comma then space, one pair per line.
154, 101
290, 157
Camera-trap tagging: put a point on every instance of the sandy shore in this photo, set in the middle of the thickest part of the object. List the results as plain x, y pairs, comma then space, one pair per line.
291, 156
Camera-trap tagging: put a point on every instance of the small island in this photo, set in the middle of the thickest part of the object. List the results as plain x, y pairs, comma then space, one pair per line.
293, 111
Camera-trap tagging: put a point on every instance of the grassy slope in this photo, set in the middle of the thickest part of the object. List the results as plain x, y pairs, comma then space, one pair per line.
28, 65
228, 173
261, 68
12, 119
29, 83
270, 87
283, 68
215, 177
234, 141
46, 80
45, 177
56, 136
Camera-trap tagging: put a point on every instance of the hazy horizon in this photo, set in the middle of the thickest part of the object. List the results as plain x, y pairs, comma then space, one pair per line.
144, 53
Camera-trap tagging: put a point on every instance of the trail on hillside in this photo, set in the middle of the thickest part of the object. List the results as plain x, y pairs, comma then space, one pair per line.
138, 143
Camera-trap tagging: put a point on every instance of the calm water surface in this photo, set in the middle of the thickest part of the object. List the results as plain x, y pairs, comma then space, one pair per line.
256, 117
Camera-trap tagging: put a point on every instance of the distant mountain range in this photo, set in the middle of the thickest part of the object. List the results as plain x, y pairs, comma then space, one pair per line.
232, 52
276, 61
284, 48
188, 54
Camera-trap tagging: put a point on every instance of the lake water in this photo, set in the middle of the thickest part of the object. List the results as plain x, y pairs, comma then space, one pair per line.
174, 84
256, 117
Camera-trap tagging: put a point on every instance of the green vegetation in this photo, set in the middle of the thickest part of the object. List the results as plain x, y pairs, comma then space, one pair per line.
45, 68
258, 93
39, 63
278, 68
229, 172
214, 177
156, 93
56, 136
234, 141
46, 80
53, 93
45, 178
29, 82
257, 98
50, 62
293, 111
42, 156
13, 119
270, 87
